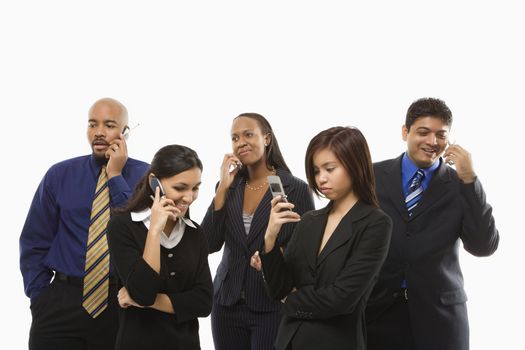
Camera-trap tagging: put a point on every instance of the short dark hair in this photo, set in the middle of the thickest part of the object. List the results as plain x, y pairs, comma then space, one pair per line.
274, 157
351, 149
168, 161
428, 107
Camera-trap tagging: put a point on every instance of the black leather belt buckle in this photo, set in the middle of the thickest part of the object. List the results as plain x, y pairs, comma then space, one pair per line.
68, 279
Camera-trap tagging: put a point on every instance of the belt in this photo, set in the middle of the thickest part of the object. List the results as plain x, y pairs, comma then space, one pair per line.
59, 276
401, 294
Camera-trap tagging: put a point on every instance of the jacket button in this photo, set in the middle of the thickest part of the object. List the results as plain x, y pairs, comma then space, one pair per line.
172, 273
170, 255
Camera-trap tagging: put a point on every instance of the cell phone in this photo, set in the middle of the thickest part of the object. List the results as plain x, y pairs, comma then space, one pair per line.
153, 184
125, 133
276, 187
237, 165
127, 130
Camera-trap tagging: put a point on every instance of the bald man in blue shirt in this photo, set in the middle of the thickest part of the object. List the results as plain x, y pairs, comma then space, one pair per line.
54, 238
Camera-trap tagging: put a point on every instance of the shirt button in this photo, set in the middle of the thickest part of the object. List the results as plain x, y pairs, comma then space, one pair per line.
172, 273
170, 255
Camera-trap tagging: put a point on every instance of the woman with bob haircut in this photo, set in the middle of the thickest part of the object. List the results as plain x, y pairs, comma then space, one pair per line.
161, 257
331, 263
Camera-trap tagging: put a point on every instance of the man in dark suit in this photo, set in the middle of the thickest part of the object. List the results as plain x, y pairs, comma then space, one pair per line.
419, 301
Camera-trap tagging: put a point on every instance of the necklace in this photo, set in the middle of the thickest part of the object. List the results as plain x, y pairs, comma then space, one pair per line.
256, 188
261, 186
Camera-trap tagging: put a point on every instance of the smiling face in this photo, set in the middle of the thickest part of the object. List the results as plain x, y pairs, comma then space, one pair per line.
426, 140
183, 188
248, 140
331, 177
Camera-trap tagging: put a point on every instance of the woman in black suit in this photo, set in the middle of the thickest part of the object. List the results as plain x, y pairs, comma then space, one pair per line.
161, 257
243, 316
329, 267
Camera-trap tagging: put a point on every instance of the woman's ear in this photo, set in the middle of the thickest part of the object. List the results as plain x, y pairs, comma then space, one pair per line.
267, 139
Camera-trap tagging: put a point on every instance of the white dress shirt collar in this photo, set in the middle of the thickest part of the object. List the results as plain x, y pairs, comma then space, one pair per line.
166, 241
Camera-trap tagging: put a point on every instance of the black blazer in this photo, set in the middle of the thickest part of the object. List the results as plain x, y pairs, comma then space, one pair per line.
184, 277
327, 310
225, 227
424, 251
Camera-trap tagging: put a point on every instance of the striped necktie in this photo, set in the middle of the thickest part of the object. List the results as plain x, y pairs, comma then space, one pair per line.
415, 191
96, 278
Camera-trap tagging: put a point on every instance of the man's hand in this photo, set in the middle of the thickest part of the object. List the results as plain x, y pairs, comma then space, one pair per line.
460, 157
117, 154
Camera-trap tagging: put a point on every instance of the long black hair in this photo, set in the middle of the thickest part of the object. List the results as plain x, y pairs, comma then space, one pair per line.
168, 161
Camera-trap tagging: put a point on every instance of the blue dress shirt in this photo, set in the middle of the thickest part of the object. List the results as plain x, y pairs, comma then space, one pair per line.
409, 169
56, 229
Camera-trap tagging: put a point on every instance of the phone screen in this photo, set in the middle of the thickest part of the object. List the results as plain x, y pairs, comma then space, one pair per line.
276, 187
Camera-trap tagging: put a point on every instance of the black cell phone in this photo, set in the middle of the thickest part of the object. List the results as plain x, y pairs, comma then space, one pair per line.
154, 183
276, 187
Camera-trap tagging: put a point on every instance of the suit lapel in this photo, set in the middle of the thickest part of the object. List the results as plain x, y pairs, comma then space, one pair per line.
394, 187
315, 233
343, 231
235, 200
260, 217
437, 186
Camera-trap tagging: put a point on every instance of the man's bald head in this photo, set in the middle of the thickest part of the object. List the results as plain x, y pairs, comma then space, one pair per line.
111, 107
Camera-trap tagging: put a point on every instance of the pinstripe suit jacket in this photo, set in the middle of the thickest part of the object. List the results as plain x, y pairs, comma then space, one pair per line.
225, 227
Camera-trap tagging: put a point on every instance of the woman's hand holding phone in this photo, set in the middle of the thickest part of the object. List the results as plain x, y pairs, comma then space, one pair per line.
280, 214
162, 210
229, 168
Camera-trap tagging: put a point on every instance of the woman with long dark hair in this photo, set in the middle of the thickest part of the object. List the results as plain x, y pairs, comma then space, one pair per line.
243, 315
161, 257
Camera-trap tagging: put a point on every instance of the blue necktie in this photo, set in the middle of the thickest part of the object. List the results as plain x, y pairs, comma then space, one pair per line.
415, 191
414, 195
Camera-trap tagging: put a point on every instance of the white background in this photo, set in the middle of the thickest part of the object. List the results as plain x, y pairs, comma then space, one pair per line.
186, 69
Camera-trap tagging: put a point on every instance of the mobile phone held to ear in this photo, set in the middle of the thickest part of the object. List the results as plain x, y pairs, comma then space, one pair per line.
237, 165
154, 183
276, 187
127, 130
125, 133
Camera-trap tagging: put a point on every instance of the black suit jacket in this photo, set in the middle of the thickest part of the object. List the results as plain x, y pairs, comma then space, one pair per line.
424, 251
327, 310
225, 227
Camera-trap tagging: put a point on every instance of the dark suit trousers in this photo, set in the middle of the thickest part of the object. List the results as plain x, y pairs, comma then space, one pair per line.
237, 327
60, 321
392, 330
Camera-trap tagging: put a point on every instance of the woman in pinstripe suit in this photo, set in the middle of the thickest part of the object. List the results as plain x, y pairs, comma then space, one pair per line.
243, 316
